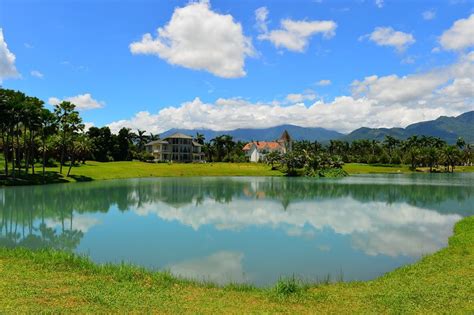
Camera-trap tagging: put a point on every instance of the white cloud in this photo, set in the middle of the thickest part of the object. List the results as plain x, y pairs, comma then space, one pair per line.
88, 125
460, 36
36, 74
376, 101
379, 3
261, 15
7, 60
323, 82
387, 36
293, 35
198, 38
82, 101
408, 60
429, 15
308, 95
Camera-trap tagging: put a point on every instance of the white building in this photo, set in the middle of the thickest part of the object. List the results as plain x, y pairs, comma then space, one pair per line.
257, 150
177, 148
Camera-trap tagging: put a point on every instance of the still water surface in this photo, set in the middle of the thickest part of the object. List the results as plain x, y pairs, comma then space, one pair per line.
244, 229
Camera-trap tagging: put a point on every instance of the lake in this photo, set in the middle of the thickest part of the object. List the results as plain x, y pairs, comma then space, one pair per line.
244, 229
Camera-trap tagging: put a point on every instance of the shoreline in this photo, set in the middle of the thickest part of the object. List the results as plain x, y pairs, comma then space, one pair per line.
94, 171
439, 281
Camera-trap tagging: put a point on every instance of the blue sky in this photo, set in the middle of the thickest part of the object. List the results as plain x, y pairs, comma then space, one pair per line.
229, 64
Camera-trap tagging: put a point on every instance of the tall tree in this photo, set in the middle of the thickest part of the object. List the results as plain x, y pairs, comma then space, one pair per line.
69, 122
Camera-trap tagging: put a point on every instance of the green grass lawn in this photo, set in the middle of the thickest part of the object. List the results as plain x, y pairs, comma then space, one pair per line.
131, 169
33, 282
357, 168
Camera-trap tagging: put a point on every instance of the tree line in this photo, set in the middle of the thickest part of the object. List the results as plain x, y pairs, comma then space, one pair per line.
415, 151
32, 134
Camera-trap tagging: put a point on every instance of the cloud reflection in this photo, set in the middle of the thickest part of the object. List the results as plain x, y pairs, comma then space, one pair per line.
374, 227
221, 267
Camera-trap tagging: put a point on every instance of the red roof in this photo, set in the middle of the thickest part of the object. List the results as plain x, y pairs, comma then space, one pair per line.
262, 145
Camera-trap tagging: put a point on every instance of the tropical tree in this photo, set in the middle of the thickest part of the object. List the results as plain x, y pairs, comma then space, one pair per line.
48, 128
451, 155
200, 138
69, 122
272, 158
142, 139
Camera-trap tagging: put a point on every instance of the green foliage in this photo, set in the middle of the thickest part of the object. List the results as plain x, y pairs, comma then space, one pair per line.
287, 286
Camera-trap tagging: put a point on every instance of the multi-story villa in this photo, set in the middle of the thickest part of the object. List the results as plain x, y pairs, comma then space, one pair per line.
176, 148
257, 150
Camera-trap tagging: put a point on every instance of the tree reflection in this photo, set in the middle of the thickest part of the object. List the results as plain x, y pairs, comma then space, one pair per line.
19, 229
24, 210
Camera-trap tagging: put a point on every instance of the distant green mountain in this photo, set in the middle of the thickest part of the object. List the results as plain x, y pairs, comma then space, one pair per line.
446, 128
265, 134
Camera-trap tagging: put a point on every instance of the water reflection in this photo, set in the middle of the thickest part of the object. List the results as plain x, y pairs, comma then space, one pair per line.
229, 229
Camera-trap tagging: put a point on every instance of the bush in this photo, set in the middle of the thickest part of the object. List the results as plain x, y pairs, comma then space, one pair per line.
373, 159
384, 158
288, 286
332, 173
396, 159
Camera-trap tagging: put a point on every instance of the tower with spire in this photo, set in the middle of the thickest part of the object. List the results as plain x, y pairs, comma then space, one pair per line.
285, 141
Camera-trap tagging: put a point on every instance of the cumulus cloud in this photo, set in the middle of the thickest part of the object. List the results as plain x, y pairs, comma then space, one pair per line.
198, 38
460, 36
293, 35
379, 3
387, 36
36, 74
376, 101
308, 95
7, 60
82, 101
323, 82
429, 15
88, 125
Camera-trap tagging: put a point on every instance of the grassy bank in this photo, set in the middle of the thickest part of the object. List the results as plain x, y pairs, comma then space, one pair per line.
357, 168
133, 169
56, 282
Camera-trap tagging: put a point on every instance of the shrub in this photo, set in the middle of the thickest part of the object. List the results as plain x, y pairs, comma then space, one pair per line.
288, 286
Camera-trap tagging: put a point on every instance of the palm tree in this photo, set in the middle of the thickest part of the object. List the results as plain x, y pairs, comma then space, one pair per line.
219, 144
76, 144
229, 144
200, 138
391, 143
69, 122
48, 127
461, 143
154, 137
272, 158
142, 138
451, 156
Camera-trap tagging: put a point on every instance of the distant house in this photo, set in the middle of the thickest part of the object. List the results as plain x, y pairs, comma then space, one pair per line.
257, 150
176, 148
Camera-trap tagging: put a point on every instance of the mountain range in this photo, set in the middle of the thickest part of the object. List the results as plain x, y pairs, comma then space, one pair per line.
265, 134
446, 128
